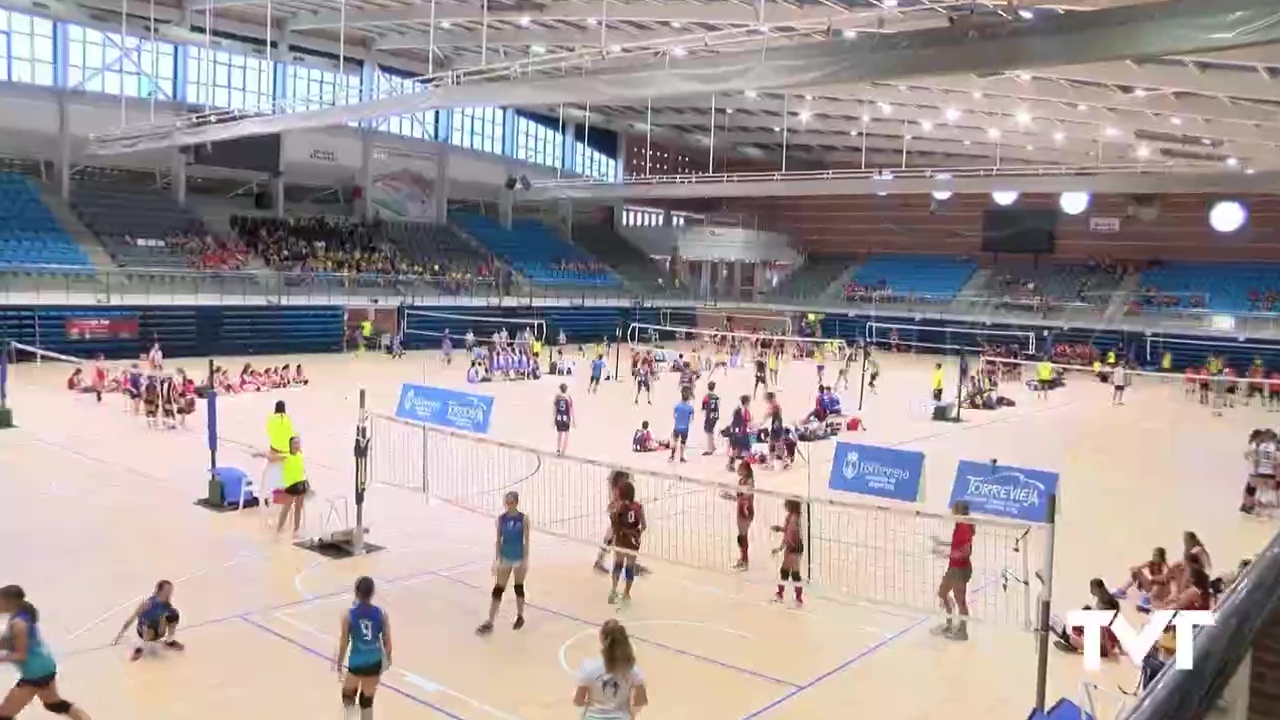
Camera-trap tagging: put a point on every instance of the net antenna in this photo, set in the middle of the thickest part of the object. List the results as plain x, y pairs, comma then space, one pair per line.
644, 335
974, 340
432, 324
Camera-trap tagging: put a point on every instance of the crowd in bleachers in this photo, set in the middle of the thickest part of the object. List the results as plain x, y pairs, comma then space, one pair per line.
207, 252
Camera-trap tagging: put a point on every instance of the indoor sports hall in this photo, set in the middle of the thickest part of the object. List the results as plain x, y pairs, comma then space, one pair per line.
109, 504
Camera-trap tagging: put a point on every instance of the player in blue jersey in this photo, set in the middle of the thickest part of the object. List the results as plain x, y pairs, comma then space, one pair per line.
683, 416
510, 561
365, 642
157, 620
22, 644
597, 371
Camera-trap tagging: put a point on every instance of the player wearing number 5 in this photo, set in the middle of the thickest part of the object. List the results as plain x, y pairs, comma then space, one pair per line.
365, 643
510, 557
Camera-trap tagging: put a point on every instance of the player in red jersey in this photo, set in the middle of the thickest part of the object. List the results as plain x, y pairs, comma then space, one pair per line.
744, 509
616, 478
791, 549
955, 582
628, 526
1273, 391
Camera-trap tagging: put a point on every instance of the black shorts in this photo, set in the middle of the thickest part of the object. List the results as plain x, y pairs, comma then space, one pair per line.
41, 682
297, 489
937, 395
642, 385
373, 670
797, 549
562, 426
709, 425
595, 380
680, 436
171, 618
760, 380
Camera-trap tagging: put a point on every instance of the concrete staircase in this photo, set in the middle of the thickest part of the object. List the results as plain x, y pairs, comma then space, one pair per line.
834, 291
83, 237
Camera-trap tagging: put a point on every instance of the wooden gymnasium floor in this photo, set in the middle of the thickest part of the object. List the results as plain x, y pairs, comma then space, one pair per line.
97, 508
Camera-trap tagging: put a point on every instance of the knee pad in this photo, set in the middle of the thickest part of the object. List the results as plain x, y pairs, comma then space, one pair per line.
1250, 490
742, 541
62, 707
497, 592
795, 576
366, 701
784, 575
519, 590
172, 617
348, 698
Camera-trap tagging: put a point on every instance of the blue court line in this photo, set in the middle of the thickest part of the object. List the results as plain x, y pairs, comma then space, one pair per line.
664, 646
861, 655
382, 685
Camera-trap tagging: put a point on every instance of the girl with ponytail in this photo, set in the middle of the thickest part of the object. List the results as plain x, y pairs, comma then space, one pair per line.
23, 645
611, 687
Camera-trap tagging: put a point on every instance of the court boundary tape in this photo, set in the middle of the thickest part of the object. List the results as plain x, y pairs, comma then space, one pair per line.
857, 657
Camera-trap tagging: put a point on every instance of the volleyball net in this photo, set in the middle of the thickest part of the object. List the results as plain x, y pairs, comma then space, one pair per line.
903, 337
1241, 388
856, 553
657, 337
430, 326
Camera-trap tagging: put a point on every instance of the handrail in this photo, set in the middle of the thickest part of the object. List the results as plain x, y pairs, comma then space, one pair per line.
1219, 649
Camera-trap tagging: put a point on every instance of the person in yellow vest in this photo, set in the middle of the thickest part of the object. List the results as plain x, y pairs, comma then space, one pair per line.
937, 382
366, 334
279, 431
293, 476
1044, 378
1111, 357
1166, 361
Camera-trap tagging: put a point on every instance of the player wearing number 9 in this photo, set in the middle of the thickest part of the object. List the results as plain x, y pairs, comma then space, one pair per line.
365, 643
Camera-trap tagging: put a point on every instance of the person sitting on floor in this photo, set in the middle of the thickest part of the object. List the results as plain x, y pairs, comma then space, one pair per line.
1072, 639
643, 441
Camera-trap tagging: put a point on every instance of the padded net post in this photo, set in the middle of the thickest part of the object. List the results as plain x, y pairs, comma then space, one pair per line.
873, 555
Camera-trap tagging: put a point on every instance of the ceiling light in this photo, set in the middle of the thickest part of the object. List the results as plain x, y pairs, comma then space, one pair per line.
1082, 107
1005, 198
1175, 120
808, 97
538, 49
885, 108
1024, 77
675, 24
1024, 117
446, 24
866, 118
1250, 171
615, 48
1031, 147
777, 129
908, 137
849, 34
1143, 152
1025, 14
889, 3
1139, 92
1227, 216
926, 126
1073, 203
525, 22
1059, 136
1206, 141
805, 115
678, 51
977, 95
728, 111
967, 143
993, 133
952, 114
854, 132
1110, 131
941, 195
1232, 162
750, 94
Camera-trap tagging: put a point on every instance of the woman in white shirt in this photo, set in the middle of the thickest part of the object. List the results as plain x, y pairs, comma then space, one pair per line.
611, 687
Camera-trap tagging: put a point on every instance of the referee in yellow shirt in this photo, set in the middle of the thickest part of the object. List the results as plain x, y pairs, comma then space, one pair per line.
1044, 378
279, 434
293, 475
937, 382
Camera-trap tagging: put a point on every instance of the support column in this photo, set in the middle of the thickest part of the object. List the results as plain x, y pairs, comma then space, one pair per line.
64, 146
564, 217
570, 132
441, 188
277, 194
736, 278
178, 176
621, 175
506, 207
281, 66
365, 179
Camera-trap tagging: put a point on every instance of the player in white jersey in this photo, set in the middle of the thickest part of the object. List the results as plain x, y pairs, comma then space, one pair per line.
611, 687
1263, 457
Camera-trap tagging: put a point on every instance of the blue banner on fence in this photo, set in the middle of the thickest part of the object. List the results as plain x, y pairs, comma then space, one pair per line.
445, 408
879, 471
1003, 491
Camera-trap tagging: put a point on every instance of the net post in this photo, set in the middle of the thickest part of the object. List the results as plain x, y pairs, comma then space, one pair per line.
862, 382
1046, 598
808, 517
361, 454
617, 354
6, 415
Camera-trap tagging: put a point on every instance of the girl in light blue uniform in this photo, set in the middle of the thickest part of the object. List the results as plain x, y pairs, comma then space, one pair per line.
510, 557
365, 643
23, 645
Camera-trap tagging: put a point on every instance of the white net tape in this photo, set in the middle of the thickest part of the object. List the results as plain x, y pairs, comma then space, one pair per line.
430, 323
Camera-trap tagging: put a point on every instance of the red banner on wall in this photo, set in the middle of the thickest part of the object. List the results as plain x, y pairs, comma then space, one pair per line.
103, 328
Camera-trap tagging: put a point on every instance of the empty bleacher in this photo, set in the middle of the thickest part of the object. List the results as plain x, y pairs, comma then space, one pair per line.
629, 261
1064, 283
426, 244
31, 240
535, 251
134, 223
1224, 287
813, 277
923, 278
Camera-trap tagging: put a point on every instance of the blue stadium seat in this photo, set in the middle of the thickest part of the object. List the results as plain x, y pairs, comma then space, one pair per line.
31, 240
1225, 287
936, 277
535, 251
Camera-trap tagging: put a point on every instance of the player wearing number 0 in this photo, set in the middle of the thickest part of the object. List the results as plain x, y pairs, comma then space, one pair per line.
365, 641
955, 582
510, 557
628, 525
156, 619
611, 687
